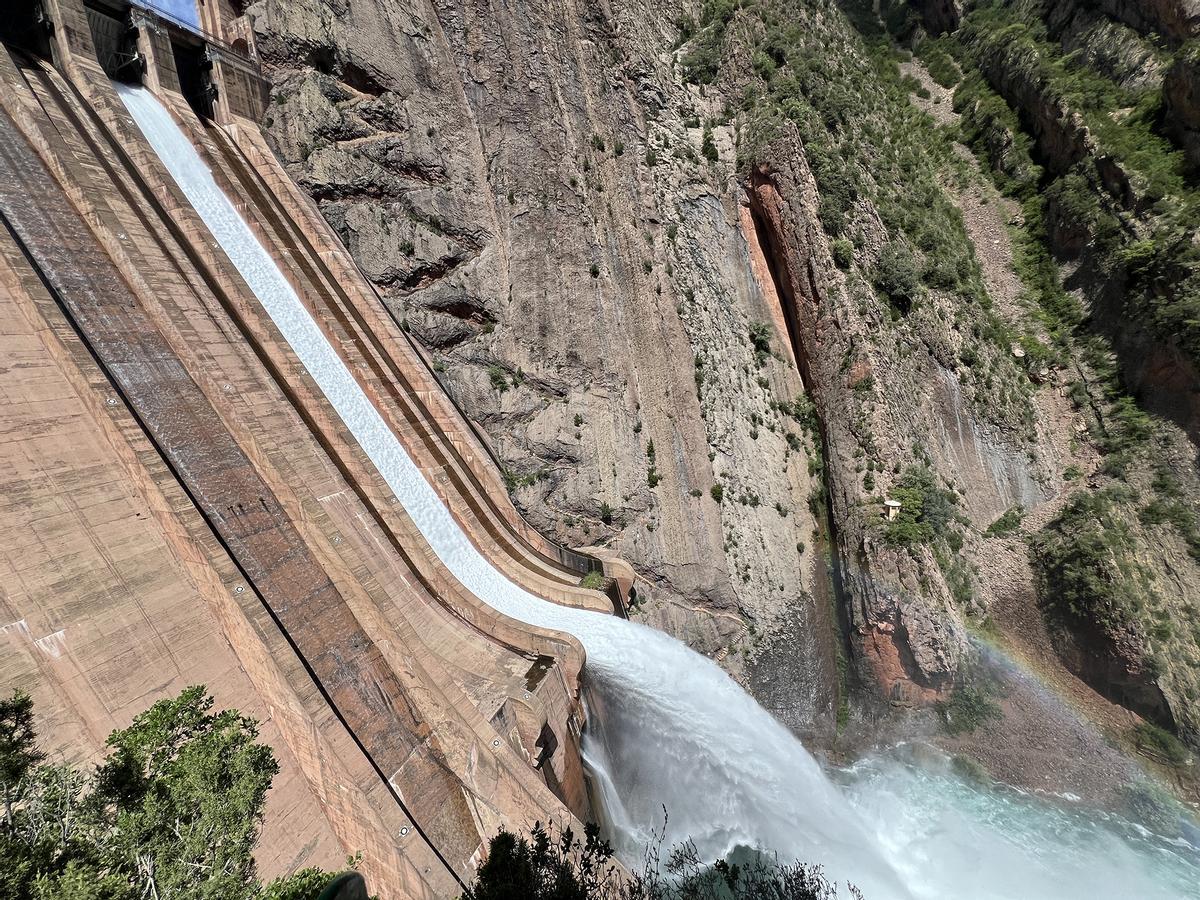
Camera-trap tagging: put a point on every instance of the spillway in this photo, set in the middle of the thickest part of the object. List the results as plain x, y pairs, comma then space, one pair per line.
669, 727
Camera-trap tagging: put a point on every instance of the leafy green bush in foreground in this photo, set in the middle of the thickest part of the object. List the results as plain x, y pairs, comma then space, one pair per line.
550, 865
173, 811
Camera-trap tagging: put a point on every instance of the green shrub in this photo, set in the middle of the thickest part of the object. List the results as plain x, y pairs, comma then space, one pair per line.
180, 794
843, 253
1165, 510
1160, 743
927, 510
593, 580
702, 62
939, 63
1059, 311
970, 706
760, 340
993, 130
499, 378
652, 476
553, 864
1127, 428
896, 275
1009, 522
956, 571
1085, 564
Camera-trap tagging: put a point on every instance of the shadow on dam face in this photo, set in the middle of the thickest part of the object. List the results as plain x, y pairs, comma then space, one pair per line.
194, 67
25, 25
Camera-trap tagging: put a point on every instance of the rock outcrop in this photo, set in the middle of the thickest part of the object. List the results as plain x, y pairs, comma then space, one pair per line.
1114, 196
527, 193
1175, 20
635, 309
1181, 94
906, 641
939, 16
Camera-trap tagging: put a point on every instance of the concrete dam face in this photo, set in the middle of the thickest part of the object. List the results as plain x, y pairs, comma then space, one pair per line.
188, 499
225, 463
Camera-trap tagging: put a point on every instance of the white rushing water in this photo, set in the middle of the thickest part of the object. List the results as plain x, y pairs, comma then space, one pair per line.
676, 731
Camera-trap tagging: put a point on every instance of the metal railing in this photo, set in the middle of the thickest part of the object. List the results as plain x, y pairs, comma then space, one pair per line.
153, 9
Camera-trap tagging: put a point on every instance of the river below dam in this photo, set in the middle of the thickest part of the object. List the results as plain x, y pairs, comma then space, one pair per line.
670, 729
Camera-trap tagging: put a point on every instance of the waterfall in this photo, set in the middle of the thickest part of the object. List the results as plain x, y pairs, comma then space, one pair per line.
673, 729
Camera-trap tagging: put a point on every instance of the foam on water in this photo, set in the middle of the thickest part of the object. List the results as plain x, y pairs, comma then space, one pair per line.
674, 730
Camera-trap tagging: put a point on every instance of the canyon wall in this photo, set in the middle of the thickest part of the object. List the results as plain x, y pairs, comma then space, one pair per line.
526, 188
1086, 114
653, 332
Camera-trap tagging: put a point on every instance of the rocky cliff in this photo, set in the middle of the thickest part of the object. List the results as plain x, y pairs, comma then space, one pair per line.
537, 201
1085, 115
716, 290
1181, 95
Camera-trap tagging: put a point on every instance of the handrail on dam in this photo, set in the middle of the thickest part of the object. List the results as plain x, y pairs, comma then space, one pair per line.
148, 7
194, 28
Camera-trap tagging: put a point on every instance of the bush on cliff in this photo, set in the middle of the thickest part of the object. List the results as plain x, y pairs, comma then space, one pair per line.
970, 707
939, 63
174, 810
896, 275
1085, 564
927, 510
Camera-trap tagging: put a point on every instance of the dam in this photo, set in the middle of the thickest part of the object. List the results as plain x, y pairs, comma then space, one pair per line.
336, 546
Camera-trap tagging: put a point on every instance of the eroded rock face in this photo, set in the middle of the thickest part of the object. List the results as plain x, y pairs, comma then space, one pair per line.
906, 634
1062, 138
939, 16
1176, 20
523, 190
561, 223
1110, 47
1100, 201
1181, 92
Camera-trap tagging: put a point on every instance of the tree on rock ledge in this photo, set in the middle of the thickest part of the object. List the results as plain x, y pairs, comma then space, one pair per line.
173, 811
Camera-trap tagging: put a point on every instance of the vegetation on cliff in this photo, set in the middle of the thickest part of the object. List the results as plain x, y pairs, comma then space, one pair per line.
1130, 187
1077, 137
173, 810
880, 165
1099, 577
1065, 108
927, 510
1086, 566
